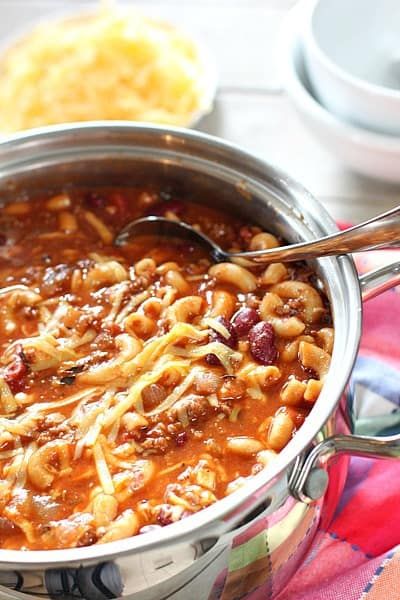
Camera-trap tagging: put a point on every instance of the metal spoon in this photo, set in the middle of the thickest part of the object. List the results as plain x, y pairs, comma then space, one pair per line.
383, 230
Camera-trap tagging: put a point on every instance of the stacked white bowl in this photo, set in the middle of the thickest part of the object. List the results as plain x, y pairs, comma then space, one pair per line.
342, 71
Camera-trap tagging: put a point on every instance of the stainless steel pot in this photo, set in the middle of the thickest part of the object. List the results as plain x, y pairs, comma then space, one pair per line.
256, 538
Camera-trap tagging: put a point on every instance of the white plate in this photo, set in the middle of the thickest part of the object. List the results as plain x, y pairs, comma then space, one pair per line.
375, 155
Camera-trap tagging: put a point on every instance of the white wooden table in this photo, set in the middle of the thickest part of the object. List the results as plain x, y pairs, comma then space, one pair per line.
251, 108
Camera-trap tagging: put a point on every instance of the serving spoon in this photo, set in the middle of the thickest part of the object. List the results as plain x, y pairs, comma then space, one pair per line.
383, 230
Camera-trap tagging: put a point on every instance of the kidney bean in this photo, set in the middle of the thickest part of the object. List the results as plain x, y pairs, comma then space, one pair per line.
166, 514
94, 200
120, 202
181, 438
262, 343
7, 527
3, 239
244, 320
87, 539
16, 371
245, 234
175, 206
212, 360
231, 341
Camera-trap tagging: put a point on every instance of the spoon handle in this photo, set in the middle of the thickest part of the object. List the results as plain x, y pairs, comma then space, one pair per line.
383, 230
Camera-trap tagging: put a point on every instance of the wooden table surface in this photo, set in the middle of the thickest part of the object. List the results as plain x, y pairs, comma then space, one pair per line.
251, 108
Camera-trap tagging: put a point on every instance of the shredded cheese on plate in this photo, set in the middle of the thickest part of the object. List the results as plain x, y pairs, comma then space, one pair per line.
106, 65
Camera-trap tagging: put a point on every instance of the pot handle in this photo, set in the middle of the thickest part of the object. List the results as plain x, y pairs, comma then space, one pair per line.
308, 480
376, 282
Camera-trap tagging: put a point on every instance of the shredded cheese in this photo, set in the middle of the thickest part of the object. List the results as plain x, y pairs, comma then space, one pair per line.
43, 344
75, 341
40, 407
102, 469
226, 355
89, 421
21, 471
117, 296
103, 232
110, 65
10, 453
131, 305
112, 436
11, 471
217, 326
22, 426
153, 349
255, 393
10, 289
134, 397
8, 403
174, 396
53, 325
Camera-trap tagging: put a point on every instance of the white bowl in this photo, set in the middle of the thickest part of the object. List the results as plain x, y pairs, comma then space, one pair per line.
352, 55
372, 154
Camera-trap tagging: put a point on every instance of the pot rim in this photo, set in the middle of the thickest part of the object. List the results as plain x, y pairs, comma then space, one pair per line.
224, 515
